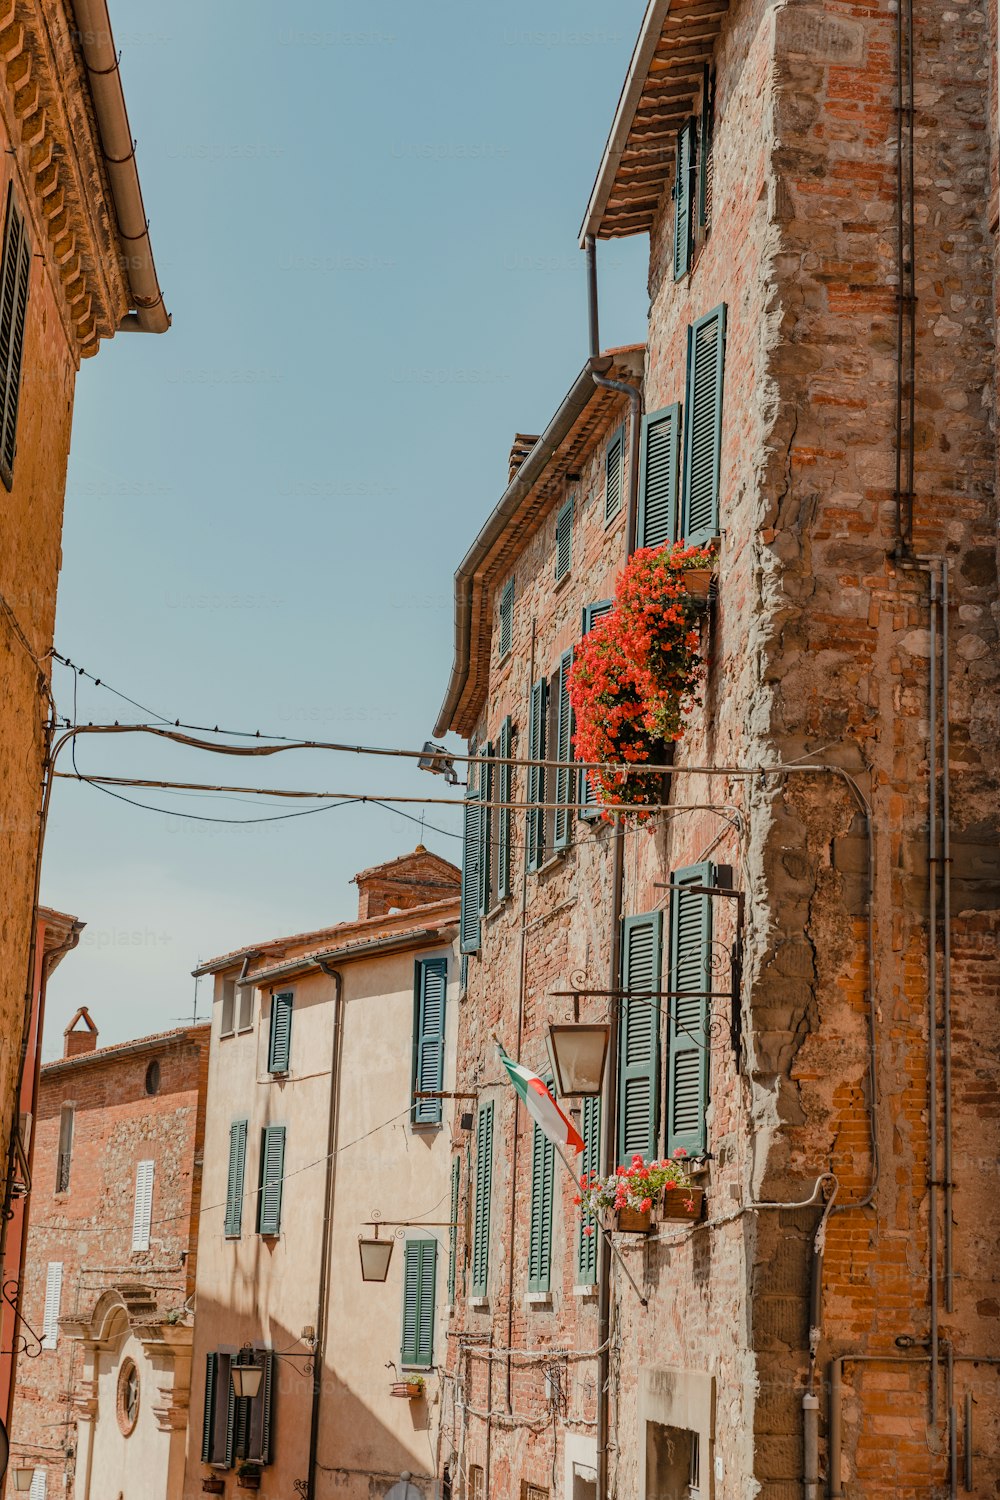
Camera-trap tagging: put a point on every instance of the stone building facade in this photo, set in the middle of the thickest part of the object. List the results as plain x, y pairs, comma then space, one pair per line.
830, 1321
75, 266
319, 1041
103, 1379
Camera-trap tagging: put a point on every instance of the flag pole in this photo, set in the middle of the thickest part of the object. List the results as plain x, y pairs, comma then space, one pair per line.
607, 1235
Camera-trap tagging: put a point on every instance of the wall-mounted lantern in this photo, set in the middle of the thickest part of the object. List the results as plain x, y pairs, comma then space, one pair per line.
23, 1479
375, 1257
246, 1373
578, 1054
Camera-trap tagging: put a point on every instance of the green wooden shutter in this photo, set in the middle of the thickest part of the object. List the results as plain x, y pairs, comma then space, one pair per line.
659, 451
15, 275
565, 779
591, 614
507, 617
430, 996
688, 1033
504, 784
208, 1415
272, 1169
686, 150
485, 830
260, 1409
586, 1244
639, 1037
456, 1180
226, 1374
564, 539
543, 1162
614, 475
419, 1276
241, 1426
703, 431
471, 855
280, 1049
233, 1227
535, 836
484, 1194
706, 152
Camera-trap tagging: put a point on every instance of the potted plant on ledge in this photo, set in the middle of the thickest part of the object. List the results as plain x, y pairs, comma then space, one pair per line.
248, 1476
411, 1388
632, 1194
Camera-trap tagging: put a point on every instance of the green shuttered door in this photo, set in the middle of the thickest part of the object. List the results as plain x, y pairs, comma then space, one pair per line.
208, 1415
543, 1161
564, 539
484, 1194
471, 856
235, 1178
639, 1040
419, 1275
614, 475
456, 1175
658, 477
430, 996
504, 783
279, 1052
565, 779
272, 1168
688, 1035
535, 829
703, 436
591, 614
686, 149
586, 1244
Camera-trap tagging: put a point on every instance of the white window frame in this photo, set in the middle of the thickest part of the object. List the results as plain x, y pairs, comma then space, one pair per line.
228, 1002
244, 1003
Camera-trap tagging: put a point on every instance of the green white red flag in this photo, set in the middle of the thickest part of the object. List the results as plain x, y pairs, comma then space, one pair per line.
543, 1109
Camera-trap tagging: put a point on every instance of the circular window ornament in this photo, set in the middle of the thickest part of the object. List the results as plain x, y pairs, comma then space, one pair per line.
128, 1398
153, 1077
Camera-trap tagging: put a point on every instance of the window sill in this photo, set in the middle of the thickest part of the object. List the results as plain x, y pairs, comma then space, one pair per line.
561, 583
479, 1304
552, 863
426, 1127
586, 1290
225, 1035
496, 910
538, 1299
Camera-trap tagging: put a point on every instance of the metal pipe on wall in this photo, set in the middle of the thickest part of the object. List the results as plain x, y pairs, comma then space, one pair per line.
949, 1271
322, 1309
932, 885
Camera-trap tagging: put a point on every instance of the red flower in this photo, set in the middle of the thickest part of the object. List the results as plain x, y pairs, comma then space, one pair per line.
669, 1186
646, 1205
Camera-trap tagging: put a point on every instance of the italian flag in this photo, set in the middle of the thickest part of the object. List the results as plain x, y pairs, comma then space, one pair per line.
543, 1109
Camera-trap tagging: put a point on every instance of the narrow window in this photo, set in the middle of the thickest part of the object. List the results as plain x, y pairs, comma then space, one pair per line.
687, 148
484, 1193
419, 1276
456, 1181
227, 1024
564, 540
429, 999
614, 476
688, 1032
486, 830
507, 618
565, 779
246, 994
471, 855
586, 1244
504, 782
208, 1409
272, 1173
15, 272
587, 796
235, 1179
477, 1482
53, 1296
659, 450
535, 830
142, 1212
706, 151
543, 1158
703, 431
639, 1036
64, 1159
280, 1046
153, 1077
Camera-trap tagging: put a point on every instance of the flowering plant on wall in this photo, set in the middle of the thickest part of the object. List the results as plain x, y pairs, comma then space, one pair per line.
642, 1186
637, 673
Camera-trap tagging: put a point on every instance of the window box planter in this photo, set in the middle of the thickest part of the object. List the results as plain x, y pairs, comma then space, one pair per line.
408, 1390
633, 1221
213, 1485
248, 1478
698, 582
675, 1204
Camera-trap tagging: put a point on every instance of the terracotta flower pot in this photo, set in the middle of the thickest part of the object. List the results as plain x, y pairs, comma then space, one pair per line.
698, 581
407, 1390
212, 1485
675, 1203
630, 1221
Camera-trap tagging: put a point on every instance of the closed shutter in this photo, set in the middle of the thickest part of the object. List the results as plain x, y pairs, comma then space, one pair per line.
39, 1483
504, 784
15, 272
703, 432
53, 1296
456, 1178
279, 1054
272, 1169
564, 539
639, 1037
485, 830
591, 614
471, 854
535, 838
241, 1426
659, 453
614, 476
233, 1227
430, 995
484, 1193
259, 1411
586, 1244
228, 1396
208, 1412
507, 617
419, 1275
142, 1213
686, 149
565, 778
543, 1157
706, 150
688, 1033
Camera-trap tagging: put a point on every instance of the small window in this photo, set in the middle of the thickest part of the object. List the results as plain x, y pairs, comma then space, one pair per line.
153, 1077
564, 540
228, 1023
246, 994
128, 1398
64, 1158
15, 274
507, 618
279, 1052
614, 476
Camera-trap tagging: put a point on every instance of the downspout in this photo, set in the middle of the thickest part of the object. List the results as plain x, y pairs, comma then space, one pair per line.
932, 923
949, 1270
322, 1302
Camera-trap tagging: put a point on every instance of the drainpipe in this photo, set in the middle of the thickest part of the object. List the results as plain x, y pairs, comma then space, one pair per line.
322, 1305
932, 938
949, 1272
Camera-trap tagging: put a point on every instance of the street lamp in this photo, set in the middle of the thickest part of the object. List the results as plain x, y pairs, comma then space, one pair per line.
247, 1374
22, 1479
578, 1053
375, 1257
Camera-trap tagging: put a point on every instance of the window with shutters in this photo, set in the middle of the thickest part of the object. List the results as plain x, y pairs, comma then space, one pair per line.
688, 1030
39, 1483
659, 452
15, 274
419, 1276
279, 1050
703, 427
564, 539
591, 614
684, 178
233, 1225
142, 1212
237, 1428
614, 476
53, 1297
543, 1161
535, 817
430, 993
706, 151
64, 1157
244, 994
272, 1179
483, 1201
472, 839
639, 1036
565, 779
227, 1021
590, 1162
487, 829
506, 640
456, 1183
504, 782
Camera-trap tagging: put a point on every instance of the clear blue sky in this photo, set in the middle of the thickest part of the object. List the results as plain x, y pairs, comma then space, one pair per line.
365, 229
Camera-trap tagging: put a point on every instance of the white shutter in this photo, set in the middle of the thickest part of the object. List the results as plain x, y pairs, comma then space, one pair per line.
143, 1213
53, 1295
38, 1483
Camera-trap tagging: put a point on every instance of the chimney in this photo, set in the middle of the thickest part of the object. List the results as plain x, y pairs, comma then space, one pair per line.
75, 1043
519, 450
